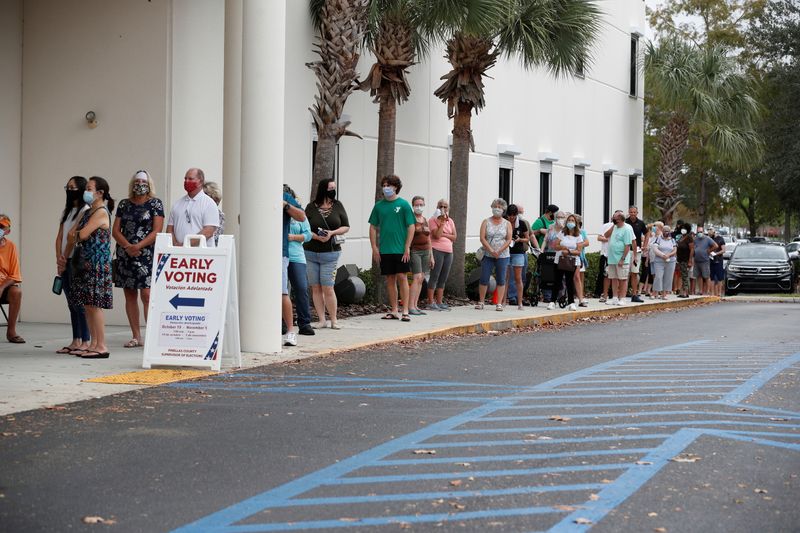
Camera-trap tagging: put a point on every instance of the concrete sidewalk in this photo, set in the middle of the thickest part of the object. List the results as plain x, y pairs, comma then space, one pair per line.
33, 376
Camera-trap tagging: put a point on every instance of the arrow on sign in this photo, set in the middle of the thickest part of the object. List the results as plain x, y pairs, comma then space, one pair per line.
177, 301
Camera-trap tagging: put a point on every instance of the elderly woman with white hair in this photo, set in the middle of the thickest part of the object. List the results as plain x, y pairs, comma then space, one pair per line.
213, 191
664, 251
139, 218
496, 236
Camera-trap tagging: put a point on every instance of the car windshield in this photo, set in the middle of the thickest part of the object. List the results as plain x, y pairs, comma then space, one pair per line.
759, 252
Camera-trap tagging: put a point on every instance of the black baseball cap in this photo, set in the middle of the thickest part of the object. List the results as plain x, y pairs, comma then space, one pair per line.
552, 208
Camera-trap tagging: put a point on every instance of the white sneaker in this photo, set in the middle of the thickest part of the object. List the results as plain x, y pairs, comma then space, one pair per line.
622, 301
551, 306
613, 301
573, 307
290, 339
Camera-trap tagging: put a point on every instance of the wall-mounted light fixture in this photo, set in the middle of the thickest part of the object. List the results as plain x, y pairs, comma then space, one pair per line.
91, 119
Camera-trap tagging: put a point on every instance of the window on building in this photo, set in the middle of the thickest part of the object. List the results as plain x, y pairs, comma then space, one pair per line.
505, 184
607, 195
335, 175
544, 190
579, 172
632, 181
634, 70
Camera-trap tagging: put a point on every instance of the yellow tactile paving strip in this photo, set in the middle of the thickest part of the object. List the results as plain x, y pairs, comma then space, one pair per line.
156, 376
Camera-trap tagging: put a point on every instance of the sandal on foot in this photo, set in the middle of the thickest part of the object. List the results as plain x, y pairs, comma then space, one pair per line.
478, 306
133, 343
498, 307
65, 350
16, 339
405, 318
389, 316
94, 355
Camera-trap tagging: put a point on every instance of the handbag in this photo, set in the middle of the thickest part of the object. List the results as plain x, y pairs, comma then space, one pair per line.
479, 253
566, 263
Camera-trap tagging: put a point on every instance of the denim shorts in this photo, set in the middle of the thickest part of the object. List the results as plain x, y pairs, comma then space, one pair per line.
321, 267
285, 277
517, 260
500, 266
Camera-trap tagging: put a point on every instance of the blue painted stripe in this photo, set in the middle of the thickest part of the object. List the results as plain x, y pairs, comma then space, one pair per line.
399, 478
567, 427
633, 415
658, 380
386, 520
410, 396
628, 483
500, 458
646, 387
551, 406
380, 386
745, 438
529, 442
643, 395
413, 496
775, 434
760, 379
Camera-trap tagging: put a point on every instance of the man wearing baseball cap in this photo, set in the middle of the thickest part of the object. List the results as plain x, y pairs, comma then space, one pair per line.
10, 278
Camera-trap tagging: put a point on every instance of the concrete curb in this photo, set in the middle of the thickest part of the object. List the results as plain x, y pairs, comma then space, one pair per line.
763, 300
504, 325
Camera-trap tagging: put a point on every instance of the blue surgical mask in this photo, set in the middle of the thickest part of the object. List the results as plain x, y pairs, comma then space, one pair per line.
570, 225
388, 192
88, 197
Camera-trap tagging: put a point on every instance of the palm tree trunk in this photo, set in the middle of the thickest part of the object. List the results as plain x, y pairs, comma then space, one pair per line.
387, 119
459, 186
671, 148
325, 158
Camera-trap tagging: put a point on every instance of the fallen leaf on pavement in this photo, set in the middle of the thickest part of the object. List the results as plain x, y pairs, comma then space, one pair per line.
583, 521
594, 497
660, 529
778, 419
652, 515
686, 458
559, 418
606, 481
347, 519
463, 464
424, 452
760, 491
457, 506
8, 434
456, 483
564, 508
742, 409
98, 520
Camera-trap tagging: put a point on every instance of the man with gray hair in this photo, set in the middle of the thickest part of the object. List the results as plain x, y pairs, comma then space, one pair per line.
193, 214
10, 279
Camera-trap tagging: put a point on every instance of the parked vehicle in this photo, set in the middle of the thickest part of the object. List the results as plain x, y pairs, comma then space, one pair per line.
759, 266
793, 250
730, 246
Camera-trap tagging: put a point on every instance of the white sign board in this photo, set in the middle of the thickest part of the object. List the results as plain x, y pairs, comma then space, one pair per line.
193, 317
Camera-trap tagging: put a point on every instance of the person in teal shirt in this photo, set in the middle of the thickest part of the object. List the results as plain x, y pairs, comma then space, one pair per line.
619, 257
299, 233
391, 230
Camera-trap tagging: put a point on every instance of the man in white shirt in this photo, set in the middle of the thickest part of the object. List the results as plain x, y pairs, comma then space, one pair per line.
193, 214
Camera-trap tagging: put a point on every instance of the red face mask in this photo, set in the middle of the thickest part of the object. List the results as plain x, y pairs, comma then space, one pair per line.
190, 186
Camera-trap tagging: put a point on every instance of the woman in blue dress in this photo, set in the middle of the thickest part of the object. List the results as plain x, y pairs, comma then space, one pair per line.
140, 217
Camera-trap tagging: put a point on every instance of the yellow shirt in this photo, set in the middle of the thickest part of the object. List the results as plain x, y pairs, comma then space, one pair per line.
9, 262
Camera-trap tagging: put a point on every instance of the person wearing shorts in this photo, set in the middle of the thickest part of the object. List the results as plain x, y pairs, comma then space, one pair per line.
291, 210
703, 247
717, 267
391, 230
620, 243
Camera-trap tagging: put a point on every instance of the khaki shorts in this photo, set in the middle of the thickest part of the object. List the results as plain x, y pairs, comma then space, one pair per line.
635, 267
618, 272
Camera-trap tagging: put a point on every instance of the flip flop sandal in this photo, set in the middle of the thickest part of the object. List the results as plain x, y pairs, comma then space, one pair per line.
16, 339
65, 350
94, 355
78, 352
390, 316
133, 343
405, 318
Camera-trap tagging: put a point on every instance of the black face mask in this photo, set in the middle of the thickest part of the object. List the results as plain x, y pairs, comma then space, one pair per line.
74, 196
331, 194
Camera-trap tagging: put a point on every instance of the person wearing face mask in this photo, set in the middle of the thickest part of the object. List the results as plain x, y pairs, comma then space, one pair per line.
139, 218
663, 250
621, 243
391, 230
717, 267
602, 283
195, 213
443, 235
10, 280
212, 189
421, 254
73, 210
93, 283
329, 223
568, 243
640, 231
542, 224
685, 255
519, 248
704, 246
496, 237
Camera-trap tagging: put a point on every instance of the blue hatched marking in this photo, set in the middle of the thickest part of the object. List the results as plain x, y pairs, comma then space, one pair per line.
720, 415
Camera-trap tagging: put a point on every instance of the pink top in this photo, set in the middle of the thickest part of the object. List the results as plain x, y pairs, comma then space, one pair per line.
442, 244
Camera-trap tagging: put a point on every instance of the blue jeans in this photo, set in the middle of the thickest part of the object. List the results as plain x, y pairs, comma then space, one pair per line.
299, 282
512, 283
77, 314
500, 267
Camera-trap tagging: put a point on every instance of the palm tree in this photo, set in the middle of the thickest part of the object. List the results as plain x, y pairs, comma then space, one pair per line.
709, 100
341, 25
554, 34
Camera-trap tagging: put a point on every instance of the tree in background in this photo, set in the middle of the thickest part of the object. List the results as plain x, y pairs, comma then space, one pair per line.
708, 99
555, 35
341, 25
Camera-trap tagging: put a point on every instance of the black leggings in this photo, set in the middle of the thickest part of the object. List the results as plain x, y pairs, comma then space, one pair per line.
570, 278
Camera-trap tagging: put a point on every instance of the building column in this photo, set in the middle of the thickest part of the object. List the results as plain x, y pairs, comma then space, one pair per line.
232, 120
262, 153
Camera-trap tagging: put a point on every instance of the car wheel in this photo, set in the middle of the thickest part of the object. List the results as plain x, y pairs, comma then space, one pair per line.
730, 292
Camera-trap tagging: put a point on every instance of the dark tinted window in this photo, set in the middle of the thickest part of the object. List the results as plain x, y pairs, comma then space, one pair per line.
747, 251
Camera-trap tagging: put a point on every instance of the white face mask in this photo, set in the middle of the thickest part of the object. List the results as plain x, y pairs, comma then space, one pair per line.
418, 209
496, 211
561, 221
437, 213
683, 232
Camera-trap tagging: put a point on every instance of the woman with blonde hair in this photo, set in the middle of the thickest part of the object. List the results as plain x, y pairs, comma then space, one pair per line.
213, 191
139, 218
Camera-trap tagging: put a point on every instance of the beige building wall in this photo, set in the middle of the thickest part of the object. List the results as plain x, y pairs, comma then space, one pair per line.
10, 109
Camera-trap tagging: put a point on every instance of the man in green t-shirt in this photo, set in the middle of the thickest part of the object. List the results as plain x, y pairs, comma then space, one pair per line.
391, 230
539, 228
